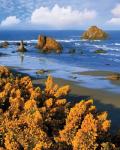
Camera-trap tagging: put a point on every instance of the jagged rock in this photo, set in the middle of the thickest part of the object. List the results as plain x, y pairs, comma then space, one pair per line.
114, 76
72, 51
21, 47
42, 71
4, 44
48, 44
100, 51
94, 33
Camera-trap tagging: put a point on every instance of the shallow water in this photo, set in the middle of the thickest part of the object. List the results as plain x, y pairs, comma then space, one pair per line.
64, 65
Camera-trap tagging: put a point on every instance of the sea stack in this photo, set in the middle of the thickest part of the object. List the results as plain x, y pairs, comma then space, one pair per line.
21, 47
94, 33
48, 44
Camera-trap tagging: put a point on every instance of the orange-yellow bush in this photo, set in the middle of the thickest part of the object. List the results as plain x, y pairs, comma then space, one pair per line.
35, 119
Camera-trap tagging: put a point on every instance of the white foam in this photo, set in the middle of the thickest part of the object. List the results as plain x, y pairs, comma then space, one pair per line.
117, 44
68, 41
106, 47
16, 41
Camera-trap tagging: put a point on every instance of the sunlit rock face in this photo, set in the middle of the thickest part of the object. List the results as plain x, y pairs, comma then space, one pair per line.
94, 33
21, 47
48, 44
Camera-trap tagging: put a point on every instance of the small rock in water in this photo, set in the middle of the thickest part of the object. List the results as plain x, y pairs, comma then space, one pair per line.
72, 51
107, 64
4, 44
114, 77
100, 51
41, 71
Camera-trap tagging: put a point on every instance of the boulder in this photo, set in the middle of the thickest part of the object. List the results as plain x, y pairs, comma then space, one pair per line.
94, 33
21, 47
100, 51
48, 44
114, 76
4, 44
42, 71
72, 51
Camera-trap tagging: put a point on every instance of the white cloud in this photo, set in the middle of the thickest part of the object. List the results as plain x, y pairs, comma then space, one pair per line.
10, 21
114, 21
61, 16
116, 11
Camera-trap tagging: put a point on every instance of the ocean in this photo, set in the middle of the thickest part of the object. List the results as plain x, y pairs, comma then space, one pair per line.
65, 65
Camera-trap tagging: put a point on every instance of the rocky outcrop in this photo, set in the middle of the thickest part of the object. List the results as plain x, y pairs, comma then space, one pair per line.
4, 44
21, 47
100, 51
48, 44
114, 76
94, 33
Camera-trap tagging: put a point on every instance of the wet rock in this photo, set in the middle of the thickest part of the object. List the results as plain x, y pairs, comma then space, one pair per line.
48, 44
4, 44
107, 64
81, 52
114, 76
72, 51
94, 33
21, 47
42, 71
100, 51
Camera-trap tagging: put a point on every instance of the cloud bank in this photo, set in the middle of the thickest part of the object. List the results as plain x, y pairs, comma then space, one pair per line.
61, 16
10, 21
115, 20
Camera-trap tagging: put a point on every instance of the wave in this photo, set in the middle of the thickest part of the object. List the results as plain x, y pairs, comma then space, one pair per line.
107, 48
17, 41
67, 41
117, 44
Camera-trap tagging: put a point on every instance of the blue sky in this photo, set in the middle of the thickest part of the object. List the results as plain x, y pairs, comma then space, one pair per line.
59, 14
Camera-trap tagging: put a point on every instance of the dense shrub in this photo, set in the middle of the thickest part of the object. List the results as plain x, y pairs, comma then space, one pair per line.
35, 119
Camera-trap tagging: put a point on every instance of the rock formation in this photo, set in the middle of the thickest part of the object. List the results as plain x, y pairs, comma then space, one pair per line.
21, 47
114, 76
100, 51
48, 44
4, 44
94, 33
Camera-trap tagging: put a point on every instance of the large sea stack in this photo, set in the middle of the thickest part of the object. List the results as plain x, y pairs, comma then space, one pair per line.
48, 44
21, 47
94, 33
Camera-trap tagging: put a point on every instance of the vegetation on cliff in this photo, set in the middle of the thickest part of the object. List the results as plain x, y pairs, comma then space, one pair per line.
42, 119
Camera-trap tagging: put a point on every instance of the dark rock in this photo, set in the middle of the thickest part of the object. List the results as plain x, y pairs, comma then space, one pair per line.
94, 33
100, 51
4, 44
114, 76
42, 71
72, 51
3, 54
48, 44
21, 47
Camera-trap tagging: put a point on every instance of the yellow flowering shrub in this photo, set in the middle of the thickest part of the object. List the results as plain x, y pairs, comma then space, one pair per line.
32, 118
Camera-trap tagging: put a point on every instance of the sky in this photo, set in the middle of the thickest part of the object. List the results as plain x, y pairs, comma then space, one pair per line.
59, 14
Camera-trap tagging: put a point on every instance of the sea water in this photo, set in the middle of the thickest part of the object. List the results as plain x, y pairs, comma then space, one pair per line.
65, 65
